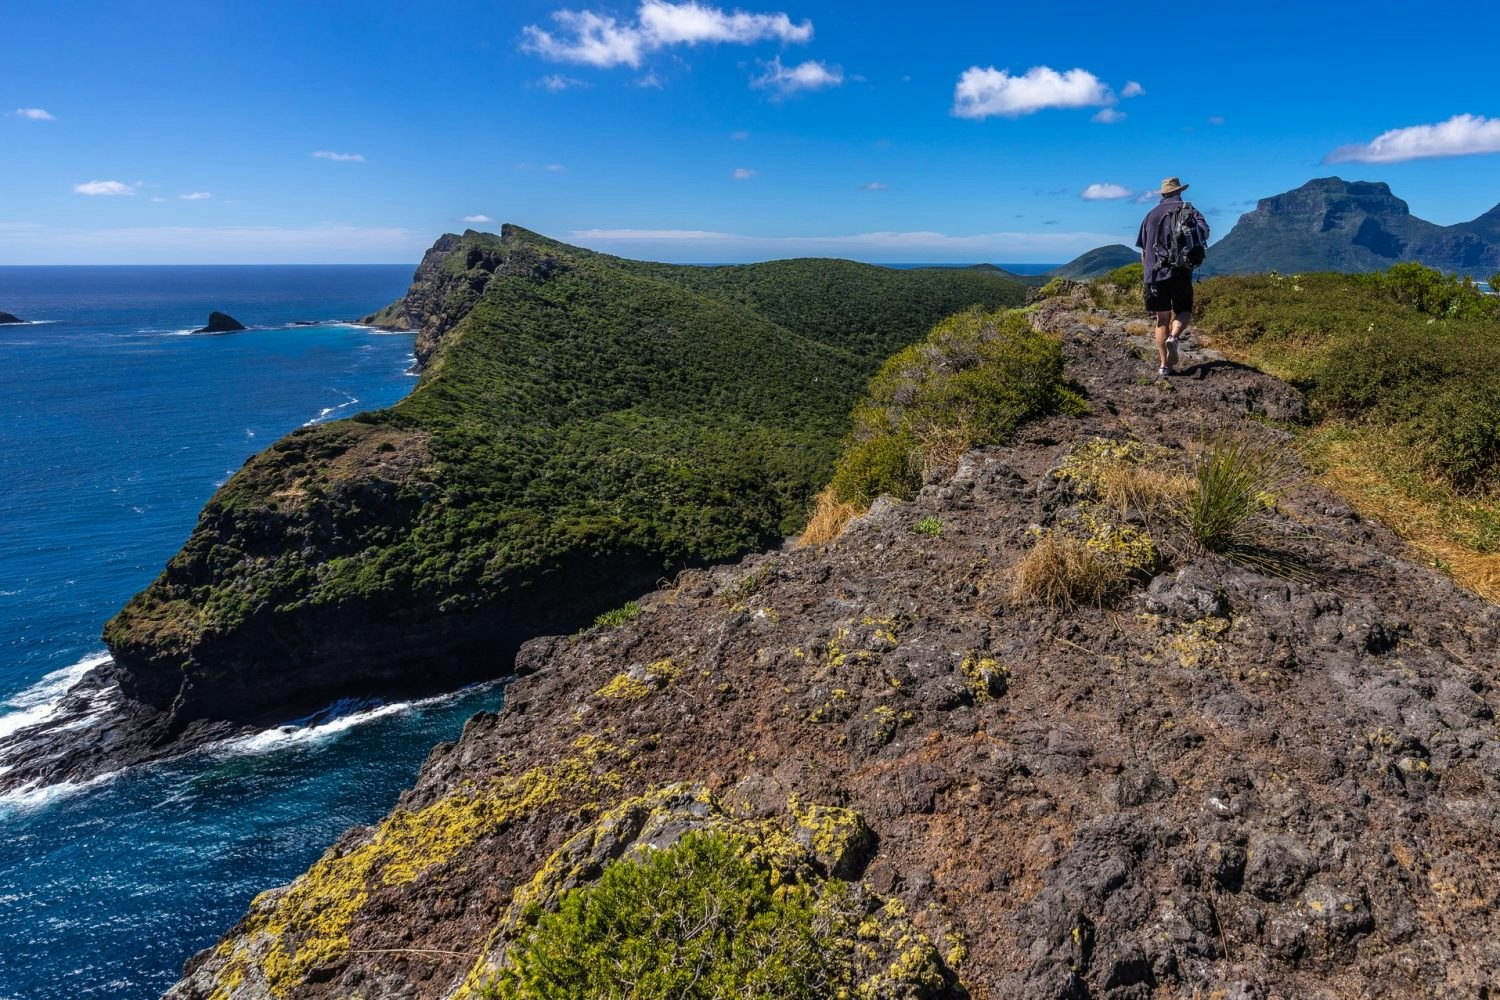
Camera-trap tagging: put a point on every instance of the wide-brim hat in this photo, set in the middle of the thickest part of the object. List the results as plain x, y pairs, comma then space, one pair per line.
1171, 186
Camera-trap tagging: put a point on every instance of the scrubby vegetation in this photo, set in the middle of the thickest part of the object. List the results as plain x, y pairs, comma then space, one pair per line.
1402, 369
585, 415
699, 919
975, 378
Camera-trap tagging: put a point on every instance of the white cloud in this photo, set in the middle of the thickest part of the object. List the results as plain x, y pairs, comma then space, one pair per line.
1147, 195
1461, 135
739, 136
158, 200
1132, 89
742, 174
36, 115
1216, 119
1105, 192
196, 196
649, 82
811, 75
875, 186
106, 188
476, 219
324, 154
1108, 116
601, 40
981, 93
556, 82
556, 168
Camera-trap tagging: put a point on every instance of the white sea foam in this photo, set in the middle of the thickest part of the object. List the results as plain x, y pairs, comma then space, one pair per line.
329, 411
293, 735
31, 797
41, 701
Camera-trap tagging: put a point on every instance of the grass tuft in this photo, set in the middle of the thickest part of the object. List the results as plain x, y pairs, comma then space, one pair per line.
829, 516
1236, 483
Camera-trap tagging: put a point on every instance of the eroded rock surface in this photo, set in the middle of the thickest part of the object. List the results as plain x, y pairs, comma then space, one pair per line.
1229, 783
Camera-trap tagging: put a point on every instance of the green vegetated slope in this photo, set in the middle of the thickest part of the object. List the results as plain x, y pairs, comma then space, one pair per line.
1402, 368
584, 424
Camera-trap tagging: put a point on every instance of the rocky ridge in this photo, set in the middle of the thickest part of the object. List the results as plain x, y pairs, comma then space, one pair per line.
1228, 783
1329, 224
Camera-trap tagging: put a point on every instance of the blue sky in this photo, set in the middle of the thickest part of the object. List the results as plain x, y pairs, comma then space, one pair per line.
357, 132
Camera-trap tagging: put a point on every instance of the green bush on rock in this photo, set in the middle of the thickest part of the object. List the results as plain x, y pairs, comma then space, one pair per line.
973, 381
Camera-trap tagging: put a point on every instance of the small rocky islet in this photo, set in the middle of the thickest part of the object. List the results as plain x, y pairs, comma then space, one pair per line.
219, 322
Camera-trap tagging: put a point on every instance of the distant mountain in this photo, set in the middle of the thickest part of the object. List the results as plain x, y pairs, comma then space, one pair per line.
1331, 224
1096, 263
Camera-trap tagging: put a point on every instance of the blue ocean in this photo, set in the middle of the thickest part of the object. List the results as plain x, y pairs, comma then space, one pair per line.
118, 424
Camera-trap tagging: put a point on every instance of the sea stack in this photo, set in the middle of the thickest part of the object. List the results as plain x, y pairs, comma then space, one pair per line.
6, 317
221, 323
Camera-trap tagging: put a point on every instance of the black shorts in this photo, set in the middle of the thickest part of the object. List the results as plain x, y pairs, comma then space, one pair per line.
1174, 295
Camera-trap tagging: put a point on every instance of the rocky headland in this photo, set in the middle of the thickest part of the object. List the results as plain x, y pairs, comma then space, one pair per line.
584, 426
1266, 775
6, 317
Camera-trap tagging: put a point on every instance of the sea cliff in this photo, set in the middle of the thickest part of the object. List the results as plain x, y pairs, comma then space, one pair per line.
1177, 764
584, 425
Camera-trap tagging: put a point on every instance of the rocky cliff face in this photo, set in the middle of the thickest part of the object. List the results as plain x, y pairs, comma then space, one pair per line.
1225, 783
1330, 224
583, 426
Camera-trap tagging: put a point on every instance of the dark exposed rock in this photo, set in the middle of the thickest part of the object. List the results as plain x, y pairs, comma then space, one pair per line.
1253, 788
6, 317
221, 323
1330, 224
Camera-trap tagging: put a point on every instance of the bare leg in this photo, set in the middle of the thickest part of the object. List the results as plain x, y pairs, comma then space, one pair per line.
1180, 323
1164, 324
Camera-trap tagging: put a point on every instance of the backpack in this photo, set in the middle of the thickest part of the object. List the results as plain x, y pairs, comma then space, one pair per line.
1186, 234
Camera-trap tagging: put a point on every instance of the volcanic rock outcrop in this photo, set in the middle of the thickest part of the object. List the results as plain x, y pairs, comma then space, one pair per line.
221, 323
1274, 781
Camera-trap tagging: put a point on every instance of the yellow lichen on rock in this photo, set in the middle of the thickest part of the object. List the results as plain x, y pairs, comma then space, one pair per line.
306, 926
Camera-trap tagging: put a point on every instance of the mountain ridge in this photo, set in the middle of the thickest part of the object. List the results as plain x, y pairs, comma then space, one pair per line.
1329, 224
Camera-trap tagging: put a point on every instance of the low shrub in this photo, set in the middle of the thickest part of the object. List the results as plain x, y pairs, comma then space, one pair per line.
929, 526
1430, 291
620, 615
973, 381
698, 919
1458, 428
1127, 278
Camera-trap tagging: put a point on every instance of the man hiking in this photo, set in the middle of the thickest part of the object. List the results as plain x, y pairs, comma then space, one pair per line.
1172, 241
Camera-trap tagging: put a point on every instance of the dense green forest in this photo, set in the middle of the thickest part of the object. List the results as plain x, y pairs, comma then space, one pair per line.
587, 416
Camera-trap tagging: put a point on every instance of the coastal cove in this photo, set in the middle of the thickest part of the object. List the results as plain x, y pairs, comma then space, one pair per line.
119, 427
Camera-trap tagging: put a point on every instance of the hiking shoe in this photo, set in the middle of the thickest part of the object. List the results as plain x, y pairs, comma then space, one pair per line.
1166, 370
1171, 351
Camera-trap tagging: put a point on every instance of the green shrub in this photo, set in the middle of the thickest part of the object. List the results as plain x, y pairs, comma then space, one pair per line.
1127, 277
979, 374
620, 615
698, 919
1052, 289
929, 526
1458, 428
1430, 291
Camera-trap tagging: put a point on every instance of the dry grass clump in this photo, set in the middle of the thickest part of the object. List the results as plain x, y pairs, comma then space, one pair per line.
829, 516
1062, 572
1151, 490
